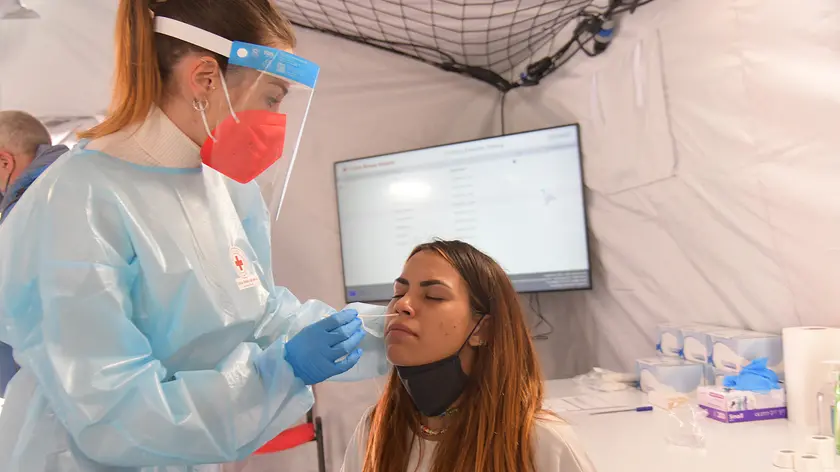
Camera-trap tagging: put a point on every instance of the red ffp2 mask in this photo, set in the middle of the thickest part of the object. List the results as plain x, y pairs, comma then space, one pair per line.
243, 150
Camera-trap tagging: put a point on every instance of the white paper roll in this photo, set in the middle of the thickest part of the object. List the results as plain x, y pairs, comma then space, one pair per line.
823, 447
807, 463
784, 459
805, 350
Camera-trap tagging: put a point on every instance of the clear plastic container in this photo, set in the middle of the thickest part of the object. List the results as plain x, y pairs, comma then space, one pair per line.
827, 400
606, 380
685, 430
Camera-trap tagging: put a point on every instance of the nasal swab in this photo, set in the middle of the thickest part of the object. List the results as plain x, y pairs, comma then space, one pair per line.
378, 316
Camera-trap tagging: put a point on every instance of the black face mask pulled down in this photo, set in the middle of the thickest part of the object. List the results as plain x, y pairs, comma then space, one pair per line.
434, 387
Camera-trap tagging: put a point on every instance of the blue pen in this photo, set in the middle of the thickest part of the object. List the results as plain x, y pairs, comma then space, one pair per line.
640, 408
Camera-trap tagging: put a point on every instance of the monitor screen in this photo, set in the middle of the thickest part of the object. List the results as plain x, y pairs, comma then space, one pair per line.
519, 198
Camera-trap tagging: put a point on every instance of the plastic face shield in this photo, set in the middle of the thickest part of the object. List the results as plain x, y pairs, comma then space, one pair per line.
255, 124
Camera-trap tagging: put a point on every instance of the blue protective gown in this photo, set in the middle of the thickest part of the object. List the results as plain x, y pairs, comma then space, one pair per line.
136, 299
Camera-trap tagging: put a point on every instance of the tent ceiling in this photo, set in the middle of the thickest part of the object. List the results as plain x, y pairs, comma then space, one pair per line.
60, 63
14, 10
62, 60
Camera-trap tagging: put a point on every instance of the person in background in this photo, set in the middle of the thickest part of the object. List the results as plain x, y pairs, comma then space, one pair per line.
26, 151
136, 283
466, 391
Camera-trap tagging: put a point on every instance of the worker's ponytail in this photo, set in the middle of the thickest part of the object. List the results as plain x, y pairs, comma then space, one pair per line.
137, 79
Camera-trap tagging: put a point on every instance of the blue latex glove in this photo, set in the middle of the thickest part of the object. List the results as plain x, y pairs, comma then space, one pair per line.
755, 377
314, 352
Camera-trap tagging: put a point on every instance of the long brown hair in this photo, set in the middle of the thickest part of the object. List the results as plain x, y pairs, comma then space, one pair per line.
494, 430
145, 60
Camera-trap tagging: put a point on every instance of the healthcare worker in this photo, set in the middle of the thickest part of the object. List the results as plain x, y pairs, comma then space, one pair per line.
138, 294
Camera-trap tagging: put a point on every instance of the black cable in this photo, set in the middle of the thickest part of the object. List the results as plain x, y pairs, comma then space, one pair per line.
563, 60
590, 24
542, 320
502, 112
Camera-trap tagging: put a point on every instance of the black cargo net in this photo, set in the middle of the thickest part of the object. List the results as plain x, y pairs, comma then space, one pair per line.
505, 43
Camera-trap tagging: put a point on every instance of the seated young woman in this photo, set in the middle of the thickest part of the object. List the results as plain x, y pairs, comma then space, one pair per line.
466, 391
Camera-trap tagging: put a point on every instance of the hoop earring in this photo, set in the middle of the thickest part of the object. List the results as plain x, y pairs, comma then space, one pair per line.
482, 343
200, 105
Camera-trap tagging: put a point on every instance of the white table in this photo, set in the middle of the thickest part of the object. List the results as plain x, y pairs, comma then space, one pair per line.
635, 441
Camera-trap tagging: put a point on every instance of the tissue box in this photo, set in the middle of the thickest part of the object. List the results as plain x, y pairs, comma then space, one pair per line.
669, 340
735, 349
737, 406
697, 342
670, 375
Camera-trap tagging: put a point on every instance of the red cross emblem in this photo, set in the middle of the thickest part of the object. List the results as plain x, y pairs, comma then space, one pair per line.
240, 262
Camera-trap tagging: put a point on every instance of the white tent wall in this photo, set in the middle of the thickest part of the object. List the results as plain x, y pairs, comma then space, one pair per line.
709, 133
710, 139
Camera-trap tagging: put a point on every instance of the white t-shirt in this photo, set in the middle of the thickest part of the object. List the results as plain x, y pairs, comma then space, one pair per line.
556, 449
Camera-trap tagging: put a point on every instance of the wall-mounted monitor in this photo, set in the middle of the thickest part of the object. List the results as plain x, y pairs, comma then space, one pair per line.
518, 197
